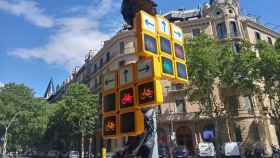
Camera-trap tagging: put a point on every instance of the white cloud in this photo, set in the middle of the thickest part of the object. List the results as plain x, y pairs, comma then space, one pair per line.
1, 84
74, 36
29, 10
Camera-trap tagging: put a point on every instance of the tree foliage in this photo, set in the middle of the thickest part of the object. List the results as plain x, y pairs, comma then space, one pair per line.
30, 120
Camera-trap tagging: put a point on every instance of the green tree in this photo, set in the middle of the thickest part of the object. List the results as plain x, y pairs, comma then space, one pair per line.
75, 116
23, 114
277, 44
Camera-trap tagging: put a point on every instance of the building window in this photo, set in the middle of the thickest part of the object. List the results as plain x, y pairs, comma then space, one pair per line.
255, 133
121, 63
196, 32
269, 40
108, 57
101, 63
95, 83
248, 104
257, 36
278, 134
236, 47
233, 104
121, 47
180, 106
233, 29
95, 67
222, 30
238, 134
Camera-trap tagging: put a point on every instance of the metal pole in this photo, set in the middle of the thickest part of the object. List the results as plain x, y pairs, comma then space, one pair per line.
155, 148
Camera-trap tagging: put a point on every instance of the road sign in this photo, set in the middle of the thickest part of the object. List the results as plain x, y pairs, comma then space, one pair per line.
110, 81
147, 22
126, 75
147, 68
177, 33
131, 122
163, 26
149, 94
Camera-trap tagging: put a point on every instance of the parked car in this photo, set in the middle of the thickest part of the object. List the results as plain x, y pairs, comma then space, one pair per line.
206, 150
181, 152
72, 154
163, 151
53, 154
231, 150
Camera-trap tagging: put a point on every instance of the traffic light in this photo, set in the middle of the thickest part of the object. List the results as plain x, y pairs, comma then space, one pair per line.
177, 33
109, 102
110, 126
149, 94
147, 69
164, 36
131, 122
167, 68
146, 34
181, 72
127, 97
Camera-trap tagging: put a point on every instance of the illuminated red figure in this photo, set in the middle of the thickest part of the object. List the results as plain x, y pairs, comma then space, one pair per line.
110, 125
127, 99
147, 94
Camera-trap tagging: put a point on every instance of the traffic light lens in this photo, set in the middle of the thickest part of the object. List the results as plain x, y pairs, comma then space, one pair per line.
179, 51
127, 98
182, 71
146, 93
109, 102
150, 44
109, 126
165, 45
127, 122
167, 66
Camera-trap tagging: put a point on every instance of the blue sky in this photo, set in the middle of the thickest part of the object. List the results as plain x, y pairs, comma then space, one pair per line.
48, 38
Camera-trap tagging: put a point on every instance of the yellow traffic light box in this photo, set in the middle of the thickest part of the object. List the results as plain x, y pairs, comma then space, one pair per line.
164, 36
126, 75
149, 94
146, 34
131, 122
181, 72
109, 102
110, 126
127, 97
177, 34
147, 69
167, 68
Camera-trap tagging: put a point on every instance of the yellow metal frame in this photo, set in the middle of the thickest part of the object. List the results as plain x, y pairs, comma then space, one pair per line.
174, 51
158, 97
117, 127
138, 122
119, 97
117, 83
133, 75
116, 102
173, 26
140, 22
179, 79
156, 74
165, 75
